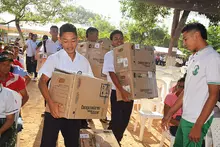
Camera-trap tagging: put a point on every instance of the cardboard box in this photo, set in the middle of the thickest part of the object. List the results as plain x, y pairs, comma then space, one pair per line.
97, 71
97, 138
94, 52
41, 59
134, 57
82, 97
138, 84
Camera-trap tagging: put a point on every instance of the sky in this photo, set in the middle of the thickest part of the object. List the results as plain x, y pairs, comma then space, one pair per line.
111, 9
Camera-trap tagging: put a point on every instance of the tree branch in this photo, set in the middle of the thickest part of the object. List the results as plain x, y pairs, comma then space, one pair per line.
4, 23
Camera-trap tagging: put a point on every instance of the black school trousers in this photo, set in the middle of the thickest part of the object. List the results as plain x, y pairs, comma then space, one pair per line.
120, 116
69, 128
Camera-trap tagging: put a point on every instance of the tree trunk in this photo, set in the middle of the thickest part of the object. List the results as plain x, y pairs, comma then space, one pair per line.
176, 17
17, 24
175, 35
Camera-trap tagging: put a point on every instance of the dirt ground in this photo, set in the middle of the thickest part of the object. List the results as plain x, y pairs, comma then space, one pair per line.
33, 124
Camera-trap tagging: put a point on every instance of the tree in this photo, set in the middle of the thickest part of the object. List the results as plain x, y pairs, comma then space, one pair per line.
103, 25
214, 37
139, 10
38, 11
157, 36
75, 14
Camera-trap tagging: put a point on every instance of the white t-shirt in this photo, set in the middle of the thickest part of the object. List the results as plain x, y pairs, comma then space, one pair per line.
10, 102
203, 69
62, 61
108, 66
29, 50
31, 47
51, 46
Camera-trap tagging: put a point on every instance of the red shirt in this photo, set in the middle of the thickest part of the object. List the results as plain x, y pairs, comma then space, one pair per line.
14, 82
16, 62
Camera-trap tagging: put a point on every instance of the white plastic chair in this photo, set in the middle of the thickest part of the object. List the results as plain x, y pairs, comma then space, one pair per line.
146, 113
166, 134
137, 102
215, 131
162, 92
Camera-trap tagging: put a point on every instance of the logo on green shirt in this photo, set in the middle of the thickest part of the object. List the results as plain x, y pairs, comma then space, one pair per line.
195, 71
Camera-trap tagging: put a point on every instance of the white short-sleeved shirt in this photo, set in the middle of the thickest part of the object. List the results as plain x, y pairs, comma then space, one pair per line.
203, 69
10, 102
29, 50
108, 66
62, 61
51, 46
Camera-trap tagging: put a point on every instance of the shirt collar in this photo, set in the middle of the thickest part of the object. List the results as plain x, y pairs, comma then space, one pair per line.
203, 50
67, 56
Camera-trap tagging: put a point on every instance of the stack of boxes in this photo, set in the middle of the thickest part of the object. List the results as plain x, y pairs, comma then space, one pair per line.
135, 68
95, 52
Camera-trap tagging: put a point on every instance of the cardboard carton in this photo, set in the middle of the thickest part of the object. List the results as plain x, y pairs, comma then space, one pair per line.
134, 57
139, 84
41, 59
94, 52
97, 138
82, 97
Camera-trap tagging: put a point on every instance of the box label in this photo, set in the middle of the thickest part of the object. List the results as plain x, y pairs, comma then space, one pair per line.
137, 46
104, 91
125, 62
127, 88
97, 45
150, 74
84, 135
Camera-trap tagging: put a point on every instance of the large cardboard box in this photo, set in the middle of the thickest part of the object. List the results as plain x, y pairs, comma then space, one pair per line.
94, 52
82, 97
134, 57
139, 84
97, 138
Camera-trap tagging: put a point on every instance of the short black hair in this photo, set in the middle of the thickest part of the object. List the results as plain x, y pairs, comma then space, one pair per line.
115, 32
198, 27
68, 28
91, 30
55, 27
45, 37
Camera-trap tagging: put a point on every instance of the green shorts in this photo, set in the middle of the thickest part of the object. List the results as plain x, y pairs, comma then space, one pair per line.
182, 139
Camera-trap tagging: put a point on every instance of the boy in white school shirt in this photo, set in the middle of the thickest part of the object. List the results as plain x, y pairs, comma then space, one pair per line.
67, 59
200, 91
120, 110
